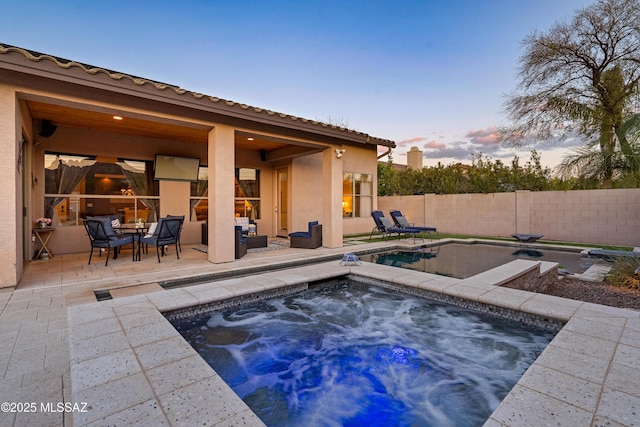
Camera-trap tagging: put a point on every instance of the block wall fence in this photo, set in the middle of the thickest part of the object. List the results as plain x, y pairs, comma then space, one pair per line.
606, 217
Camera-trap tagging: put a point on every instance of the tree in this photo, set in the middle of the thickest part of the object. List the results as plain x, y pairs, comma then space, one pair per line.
581, 78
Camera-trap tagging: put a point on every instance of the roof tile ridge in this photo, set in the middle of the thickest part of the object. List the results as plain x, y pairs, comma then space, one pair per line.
139, 81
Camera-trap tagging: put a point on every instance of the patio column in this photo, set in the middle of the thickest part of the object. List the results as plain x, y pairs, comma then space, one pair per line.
332, 226
9, 191
221, 161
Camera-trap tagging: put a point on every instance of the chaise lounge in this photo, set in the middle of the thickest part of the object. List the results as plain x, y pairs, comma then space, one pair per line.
384, 226
402, 222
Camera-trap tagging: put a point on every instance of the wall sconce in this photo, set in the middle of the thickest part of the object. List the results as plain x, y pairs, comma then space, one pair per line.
340, 152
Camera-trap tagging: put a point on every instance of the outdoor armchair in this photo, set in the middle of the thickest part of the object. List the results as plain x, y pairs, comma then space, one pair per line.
240, 242
101, 235
310, 239
167, 232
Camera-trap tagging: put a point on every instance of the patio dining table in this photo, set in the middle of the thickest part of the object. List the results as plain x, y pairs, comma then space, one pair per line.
136, 228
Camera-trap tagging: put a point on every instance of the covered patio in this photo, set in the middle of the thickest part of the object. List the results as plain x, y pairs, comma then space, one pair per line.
64, 115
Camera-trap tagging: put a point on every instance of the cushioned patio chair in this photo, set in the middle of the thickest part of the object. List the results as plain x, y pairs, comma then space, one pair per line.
245, 223
240, 242
102, 235
402, 222
167, 232
310, 239
181, 218
384, 226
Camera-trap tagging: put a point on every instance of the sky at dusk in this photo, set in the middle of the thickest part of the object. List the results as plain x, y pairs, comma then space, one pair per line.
431, 74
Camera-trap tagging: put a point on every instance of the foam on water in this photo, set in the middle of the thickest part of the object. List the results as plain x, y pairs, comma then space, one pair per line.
353, 354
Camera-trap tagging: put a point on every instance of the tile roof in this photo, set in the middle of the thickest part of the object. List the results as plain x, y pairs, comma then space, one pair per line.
140, 81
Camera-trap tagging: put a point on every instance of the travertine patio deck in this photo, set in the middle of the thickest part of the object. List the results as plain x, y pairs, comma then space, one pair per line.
129, 365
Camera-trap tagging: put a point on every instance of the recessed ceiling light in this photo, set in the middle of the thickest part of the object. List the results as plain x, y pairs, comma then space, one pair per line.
250, 139
117, 118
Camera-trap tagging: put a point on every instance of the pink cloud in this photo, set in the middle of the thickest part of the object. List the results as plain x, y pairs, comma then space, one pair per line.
486, 136
411, 140
433, 144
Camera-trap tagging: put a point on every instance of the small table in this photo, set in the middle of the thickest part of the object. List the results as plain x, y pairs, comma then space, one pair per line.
43, 235
139, 230
256, 242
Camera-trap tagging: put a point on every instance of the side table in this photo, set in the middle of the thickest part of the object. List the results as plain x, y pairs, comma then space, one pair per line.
256, 242
43, 235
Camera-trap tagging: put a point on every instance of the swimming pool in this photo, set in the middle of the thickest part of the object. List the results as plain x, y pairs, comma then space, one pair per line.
355, 354
462, 260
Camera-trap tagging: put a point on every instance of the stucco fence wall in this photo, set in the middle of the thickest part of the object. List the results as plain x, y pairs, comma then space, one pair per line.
610, 217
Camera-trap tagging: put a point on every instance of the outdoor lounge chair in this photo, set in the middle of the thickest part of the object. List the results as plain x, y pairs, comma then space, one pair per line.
167, 232
384, 226
402, 222
102, 235
310, 239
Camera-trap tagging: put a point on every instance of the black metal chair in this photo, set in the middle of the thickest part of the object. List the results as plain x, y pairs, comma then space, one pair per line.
102, 235
181, 218
241, 242
167, 232
310, 239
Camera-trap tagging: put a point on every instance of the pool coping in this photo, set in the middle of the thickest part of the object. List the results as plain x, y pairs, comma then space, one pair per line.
130, 365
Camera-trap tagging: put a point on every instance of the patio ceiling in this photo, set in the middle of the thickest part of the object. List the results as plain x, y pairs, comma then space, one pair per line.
102, 120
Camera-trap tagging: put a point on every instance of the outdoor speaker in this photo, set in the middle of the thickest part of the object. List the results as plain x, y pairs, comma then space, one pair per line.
47, 129
263, 155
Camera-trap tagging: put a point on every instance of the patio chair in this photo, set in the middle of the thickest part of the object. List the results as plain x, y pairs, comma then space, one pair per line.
246, 223
102, 235
384, 226
181, 218
240, 242
402, 222
167, 232
310, 239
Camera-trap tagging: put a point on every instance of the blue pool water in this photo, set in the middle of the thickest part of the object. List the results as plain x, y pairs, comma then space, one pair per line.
462, 260
351, 354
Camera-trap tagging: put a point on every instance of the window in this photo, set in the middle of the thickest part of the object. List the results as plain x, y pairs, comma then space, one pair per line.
80, 186
357, 195
199, 200
247, 193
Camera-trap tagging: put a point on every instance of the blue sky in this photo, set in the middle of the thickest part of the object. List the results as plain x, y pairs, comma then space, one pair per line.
431, 74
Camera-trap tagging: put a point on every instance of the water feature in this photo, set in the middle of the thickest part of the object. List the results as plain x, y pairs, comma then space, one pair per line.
353, 354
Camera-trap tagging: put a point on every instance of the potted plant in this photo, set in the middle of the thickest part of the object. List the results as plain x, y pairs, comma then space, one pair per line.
43, 222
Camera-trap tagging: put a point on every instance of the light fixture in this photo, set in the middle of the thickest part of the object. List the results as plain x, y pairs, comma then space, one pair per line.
340, 152
250, 139
117, 118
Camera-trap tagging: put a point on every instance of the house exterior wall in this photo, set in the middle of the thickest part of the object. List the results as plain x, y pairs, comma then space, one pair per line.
599, 217
360, 160
305, 201
11, 188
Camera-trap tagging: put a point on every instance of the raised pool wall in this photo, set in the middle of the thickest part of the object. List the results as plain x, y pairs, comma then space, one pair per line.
132, 366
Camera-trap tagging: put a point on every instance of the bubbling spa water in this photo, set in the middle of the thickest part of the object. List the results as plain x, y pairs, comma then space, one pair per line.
351, 354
